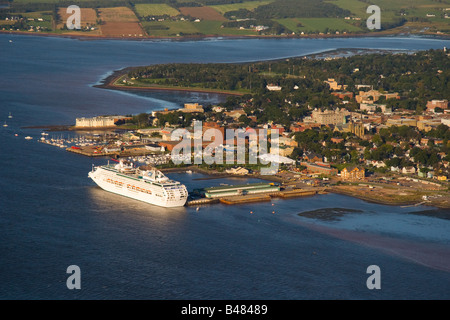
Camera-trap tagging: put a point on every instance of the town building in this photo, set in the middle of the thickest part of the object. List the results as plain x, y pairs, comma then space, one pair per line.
408, 170
433, 104
238, 171
272, 87
101, 121
374, 95
330, 116
319, 168
353, 173
334, 85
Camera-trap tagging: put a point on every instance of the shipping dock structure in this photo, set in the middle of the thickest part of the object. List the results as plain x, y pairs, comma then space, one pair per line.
246, 193
240, 190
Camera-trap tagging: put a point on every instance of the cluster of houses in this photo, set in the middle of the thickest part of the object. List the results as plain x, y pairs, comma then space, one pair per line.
371, 117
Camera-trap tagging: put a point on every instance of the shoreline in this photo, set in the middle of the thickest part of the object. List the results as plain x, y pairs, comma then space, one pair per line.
331, 189
228, 37
109, 82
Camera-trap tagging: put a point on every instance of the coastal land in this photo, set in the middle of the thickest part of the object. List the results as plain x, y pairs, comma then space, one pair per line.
181, 20
401, 146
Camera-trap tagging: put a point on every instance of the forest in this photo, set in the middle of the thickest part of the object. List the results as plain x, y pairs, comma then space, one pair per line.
417, 76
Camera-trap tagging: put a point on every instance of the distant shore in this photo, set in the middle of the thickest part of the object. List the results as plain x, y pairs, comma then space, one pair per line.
387, 33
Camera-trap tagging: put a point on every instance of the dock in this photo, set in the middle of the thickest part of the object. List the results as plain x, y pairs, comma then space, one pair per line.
230, 199
201, 201
245, 199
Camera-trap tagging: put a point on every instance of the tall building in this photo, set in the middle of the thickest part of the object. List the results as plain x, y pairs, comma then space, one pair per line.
330, 116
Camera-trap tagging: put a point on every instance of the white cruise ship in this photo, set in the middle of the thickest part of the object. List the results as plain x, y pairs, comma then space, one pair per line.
150, 186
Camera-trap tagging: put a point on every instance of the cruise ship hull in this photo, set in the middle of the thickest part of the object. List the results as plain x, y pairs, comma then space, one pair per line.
139, 189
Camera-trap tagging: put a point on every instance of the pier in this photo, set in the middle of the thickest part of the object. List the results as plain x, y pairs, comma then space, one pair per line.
262, 192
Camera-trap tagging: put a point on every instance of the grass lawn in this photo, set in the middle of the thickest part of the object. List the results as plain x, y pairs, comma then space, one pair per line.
157, 9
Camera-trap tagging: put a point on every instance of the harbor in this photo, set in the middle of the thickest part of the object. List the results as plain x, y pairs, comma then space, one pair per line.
248, 193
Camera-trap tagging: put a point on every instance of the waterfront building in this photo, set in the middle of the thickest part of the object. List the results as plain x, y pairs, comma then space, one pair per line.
192, 107
353, 173
101, 121
238, 171
236, 190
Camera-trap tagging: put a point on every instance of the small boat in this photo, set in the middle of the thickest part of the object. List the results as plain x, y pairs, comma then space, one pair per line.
10, 115
189, 171
5, 124
197, 209
28, 137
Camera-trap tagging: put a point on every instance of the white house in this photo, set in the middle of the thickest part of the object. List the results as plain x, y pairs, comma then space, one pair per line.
408, 170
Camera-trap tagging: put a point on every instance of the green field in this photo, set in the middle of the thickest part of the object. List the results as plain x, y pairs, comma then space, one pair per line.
43, 1
356, 7
318, 25
206, 27
145, 10
399, 4
249, 5
390, 9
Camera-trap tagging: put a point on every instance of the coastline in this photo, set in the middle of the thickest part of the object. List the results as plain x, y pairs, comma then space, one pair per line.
109, 82
368, 197
228, 37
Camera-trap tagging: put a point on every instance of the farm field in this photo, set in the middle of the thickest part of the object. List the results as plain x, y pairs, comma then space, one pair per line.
206, 27
356, 7
88, 17
249, 5
408, 4
120, 22
145, 10
123, 18
318, 25
203, 13
117, 14
122, 29
169, 28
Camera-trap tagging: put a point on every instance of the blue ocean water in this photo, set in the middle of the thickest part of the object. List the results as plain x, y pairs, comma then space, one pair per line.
52, 216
